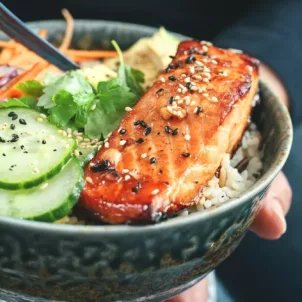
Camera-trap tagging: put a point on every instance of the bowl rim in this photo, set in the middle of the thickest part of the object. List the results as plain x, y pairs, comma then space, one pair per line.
105, 230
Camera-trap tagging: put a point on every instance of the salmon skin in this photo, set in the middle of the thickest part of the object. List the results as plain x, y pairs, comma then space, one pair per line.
172, 142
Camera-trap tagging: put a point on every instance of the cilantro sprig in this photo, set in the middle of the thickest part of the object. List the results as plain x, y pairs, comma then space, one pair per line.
70, 100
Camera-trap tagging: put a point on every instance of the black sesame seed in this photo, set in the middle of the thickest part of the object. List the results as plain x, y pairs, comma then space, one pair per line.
2, 140
15, 138
81, 130
185, 154
172, 78
11, 114
14, 117
168, 69
22, 147
14, 148
148, 131
160, 90
12, 126
123, 131
167, 129
171, 100
189, 85
102, 166
172, 57
54, 150
140, 123
44, 142
22, 121
140, 140
81, 153
3, 154
10, 169
139, 185
175, 131
192, 50
134, 190
190, 59
199, 110
152, 160
25, 152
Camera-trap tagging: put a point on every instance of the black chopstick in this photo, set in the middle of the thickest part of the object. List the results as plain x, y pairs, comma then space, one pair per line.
17, 30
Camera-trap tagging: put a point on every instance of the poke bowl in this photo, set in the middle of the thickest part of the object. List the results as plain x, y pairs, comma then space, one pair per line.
71, 260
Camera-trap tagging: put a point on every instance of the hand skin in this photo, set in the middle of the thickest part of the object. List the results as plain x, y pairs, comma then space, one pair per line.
270, 223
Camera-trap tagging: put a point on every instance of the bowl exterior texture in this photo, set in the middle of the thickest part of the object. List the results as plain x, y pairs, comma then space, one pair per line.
75, 263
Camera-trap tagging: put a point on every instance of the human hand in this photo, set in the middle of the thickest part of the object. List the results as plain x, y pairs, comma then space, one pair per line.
269, 224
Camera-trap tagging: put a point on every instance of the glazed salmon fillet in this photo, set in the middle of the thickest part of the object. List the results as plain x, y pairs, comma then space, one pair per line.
171, 143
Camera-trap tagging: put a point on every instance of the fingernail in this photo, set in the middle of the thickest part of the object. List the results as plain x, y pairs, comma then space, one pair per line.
278, 211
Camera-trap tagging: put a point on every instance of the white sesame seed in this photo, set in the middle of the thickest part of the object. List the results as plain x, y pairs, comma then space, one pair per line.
144, 155
206, 74
67, 146
43, 115
187, 79
100, 147
44, 186
145, 207
187, 100
206, 69
106, 145
195, 110
75, 133
177, 97
87, 140
214, 62
69, 131
194, 88
36, 170
205, 48
174, 104
64, 133
154, 192
199, 63
179, 90
39, 119
183, 75
128, 109
205, 94
214, 99
92, 108
180, 102
125, 171
69, 135
192, 103
79, 138
187, 137
184, 90
207, 203
197, 77
76, 153
206, 80
162, 80
123, 142
192, 69
127, 177
89, 179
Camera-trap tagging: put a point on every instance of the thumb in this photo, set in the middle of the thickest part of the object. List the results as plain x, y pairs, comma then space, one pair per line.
270, 222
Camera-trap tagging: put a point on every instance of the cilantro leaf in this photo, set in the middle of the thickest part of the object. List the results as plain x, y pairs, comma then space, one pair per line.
73, 82
25, 101
128, 76
64, 110
31, 88
112, 98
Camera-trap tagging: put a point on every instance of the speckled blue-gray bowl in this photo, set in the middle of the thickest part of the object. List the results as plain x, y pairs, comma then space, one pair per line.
127, 263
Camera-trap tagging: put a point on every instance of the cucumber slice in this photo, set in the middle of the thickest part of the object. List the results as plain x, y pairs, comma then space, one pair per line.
48, 202
86, 155
31, 150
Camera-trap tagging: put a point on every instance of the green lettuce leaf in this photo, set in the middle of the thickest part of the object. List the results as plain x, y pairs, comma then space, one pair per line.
32, 88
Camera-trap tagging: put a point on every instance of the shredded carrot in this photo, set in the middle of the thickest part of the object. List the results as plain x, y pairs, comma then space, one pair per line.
8, 44
91, 54
43, 33
69, 30
8, 90
6, 56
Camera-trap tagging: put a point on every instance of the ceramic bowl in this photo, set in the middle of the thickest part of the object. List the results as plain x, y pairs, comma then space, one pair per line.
133, 263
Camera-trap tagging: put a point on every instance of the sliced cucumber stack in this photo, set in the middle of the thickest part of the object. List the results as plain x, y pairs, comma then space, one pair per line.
48, 202
31, 150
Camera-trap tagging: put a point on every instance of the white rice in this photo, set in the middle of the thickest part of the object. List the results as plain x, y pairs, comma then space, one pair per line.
231, 183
